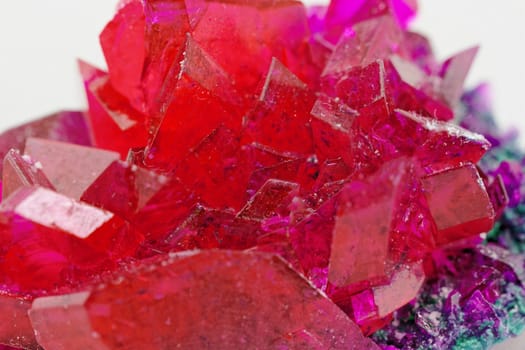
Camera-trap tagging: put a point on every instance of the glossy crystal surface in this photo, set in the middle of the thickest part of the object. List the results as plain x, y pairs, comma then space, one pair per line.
259, 174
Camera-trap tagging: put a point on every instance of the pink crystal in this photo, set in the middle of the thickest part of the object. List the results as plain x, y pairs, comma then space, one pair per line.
459, 203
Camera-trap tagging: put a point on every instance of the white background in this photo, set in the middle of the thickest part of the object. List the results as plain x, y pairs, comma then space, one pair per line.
41, 39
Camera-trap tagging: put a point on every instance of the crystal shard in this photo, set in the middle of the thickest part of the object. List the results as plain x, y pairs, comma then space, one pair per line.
228, 30
16, 329
272, 199
222, 303
167, 25
115, 190
215, 168
167, 207
283, 109
459, 203
441, 145
115, 124
377, 225
362, 232
152, 202
331, 125
207, 228
20, 171
403, 288
56, 156
64, 126
186, 122
123, 44
368, 41
454, 72
50, 240
311, 239
372, 308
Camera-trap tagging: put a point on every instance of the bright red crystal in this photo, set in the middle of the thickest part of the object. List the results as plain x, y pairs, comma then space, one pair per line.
315, 143
284, 104
49, 240
208, 228
156, 204
272, 199
122, 40
115, 124
215, 299
187, 121
453, 73
279, 28
342, 14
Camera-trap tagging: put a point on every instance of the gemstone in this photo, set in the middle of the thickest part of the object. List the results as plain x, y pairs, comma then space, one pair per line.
454, 72
272, 199
50, 240
122, 40
188, 121
263, 174
64, 164
361, 234
115, 125
16, 331
197, 299
284, 105
459, 203
20, 171
68, 127
209, 228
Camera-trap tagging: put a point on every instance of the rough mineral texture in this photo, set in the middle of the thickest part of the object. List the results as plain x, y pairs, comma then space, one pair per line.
263, 175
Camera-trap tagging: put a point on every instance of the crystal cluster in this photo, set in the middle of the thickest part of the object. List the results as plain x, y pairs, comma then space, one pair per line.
258, 174
475, 297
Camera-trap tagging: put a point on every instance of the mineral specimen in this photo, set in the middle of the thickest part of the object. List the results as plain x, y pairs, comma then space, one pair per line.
262, 175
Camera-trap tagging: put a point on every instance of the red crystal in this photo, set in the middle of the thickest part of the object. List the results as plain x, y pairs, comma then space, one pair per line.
272, 199
68, 127
20, 171
454, 72
380, 302
459, 203
188, 120
122, 40
64, 164
239, 146
49, 240
217, 299
284, 104
362, 230
115, 124
16, 329
280, 29
208, 228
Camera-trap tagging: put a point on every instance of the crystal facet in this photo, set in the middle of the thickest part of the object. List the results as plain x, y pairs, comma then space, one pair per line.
215, 299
